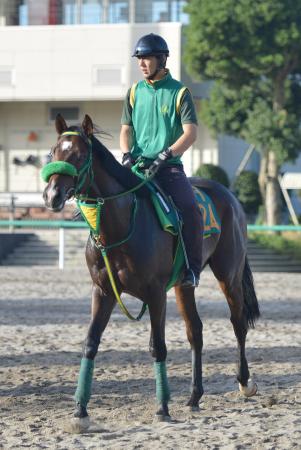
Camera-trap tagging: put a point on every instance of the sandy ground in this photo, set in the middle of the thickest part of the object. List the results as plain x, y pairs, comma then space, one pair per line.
44, 318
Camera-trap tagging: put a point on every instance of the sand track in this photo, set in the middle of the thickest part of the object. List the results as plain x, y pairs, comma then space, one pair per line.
44, 318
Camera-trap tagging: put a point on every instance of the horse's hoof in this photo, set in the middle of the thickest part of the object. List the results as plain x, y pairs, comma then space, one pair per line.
77, 425
250, 389
161, 418
193, 408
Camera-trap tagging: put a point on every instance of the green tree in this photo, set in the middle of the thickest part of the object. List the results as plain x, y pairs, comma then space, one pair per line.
252, 50
213, 172
246, 188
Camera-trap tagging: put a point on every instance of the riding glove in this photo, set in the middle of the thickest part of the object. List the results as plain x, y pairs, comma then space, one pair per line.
128, 160
159, 161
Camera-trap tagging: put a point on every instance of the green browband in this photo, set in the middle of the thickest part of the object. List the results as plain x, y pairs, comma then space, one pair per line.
58, 167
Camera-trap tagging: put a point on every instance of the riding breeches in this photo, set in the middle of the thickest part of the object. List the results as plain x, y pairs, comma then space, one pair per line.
174, 182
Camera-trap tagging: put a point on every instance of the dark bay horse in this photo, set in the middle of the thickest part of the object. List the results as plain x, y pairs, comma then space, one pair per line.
141, 265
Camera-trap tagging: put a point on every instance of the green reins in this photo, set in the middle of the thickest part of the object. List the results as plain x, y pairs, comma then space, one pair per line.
65, 168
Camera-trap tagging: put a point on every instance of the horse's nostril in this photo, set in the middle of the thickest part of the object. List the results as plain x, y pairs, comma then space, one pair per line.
70, 193
57, 198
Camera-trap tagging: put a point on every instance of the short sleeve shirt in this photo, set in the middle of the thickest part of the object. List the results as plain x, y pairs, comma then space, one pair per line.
187, 110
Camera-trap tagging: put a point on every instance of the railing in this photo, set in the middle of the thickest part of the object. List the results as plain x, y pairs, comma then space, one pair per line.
61, 225
70, 224
274, 227
73, 12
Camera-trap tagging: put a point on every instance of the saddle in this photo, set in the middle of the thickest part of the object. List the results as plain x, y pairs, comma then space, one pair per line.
170, 220
168, 215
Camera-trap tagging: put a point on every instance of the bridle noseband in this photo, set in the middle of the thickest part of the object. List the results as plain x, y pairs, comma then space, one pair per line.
66, 168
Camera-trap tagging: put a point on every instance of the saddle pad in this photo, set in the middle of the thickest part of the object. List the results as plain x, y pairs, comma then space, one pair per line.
169, 218
169, 222
211, 220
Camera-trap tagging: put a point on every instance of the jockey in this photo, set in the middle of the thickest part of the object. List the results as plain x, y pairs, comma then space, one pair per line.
159, 122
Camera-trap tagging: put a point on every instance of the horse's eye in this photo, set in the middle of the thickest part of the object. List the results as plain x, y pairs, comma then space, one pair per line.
49, 156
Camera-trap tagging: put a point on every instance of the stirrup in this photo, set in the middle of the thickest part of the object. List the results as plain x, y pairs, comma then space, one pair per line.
190, 279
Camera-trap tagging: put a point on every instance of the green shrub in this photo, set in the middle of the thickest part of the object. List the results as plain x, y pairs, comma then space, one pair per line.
246, 188
212, 172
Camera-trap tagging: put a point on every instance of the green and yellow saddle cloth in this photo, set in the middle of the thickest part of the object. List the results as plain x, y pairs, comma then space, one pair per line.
168, 218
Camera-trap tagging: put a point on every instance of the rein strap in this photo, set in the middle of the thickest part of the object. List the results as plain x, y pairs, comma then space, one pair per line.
115, 290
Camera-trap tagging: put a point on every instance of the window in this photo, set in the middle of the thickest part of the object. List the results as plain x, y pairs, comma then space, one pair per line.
161, 11
23, 15
91, 12
118, 12
68, 112
177, 13
6, 76
70, 12
107, 75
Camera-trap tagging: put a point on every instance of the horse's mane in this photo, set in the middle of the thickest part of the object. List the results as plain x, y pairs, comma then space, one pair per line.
124, 176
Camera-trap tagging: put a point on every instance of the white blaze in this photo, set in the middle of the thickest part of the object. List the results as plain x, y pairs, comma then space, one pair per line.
66, 145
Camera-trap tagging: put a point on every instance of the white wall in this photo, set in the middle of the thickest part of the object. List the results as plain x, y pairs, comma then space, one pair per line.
86, 66
85, 62
17, 119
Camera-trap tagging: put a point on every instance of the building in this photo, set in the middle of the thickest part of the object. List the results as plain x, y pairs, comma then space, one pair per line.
73, 57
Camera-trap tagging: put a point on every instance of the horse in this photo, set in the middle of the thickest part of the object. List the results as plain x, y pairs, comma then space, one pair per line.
141, 259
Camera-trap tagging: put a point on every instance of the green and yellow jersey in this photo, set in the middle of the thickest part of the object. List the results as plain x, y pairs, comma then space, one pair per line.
156, 111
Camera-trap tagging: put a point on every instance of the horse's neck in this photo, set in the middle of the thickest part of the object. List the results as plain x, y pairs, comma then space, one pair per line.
105, 185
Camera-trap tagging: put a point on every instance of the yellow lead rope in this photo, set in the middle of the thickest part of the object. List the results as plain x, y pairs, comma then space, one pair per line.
113, 284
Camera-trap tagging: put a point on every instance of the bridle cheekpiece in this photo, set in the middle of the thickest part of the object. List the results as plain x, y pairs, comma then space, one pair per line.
65, 168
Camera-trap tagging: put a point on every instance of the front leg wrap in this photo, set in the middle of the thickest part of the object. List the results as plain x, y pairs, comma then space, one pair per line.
84, 384
162, 388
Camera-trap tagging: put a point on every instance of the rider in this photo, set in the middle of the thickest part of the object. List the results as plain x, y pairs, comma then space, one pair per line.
159, 122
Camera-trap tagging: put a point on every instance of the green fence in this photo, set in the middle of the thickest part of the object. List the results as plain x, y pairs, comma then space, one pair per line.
70, 224
61, 225
41, 224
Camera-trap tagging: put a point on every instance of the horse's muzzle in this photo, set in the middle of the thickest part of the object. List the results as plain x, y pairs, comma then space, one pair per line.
54, 197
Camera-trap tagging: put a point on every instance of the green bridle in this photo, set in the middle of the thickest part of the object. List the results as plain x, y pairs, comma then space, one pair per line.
65, 168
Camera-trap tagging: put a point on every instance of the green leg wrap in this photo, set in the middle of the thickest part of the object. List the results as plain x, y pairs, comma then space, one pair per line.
162, 388
83, 391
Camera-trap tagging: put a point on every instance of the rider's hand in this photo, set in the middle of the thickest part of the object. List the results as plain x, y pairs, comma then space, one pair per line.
159, 161
128, 160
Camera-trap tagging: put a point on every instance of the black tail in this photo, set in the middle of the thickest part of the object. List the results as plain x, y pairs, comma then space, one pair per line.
251, 308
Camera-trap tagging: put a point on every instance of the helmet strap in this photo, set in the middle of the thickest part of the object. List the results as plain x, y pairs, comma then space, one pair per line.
161, 59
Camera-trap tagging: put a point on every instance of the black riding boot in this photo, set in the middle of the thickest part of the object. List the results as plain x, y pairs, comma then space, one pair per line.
174, 182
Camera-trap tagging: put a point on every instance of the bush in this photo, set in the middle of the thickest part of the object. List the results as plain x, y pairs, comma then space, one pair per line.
212, 172
246, 188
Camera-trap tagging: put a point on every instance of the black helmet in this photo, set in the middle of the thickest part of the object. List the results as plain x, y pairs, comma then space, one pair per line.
151, 45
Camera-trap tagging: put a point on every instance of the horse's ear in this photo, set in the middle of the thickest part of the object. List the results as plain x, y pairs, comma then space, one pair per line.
60, 124
87, 125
